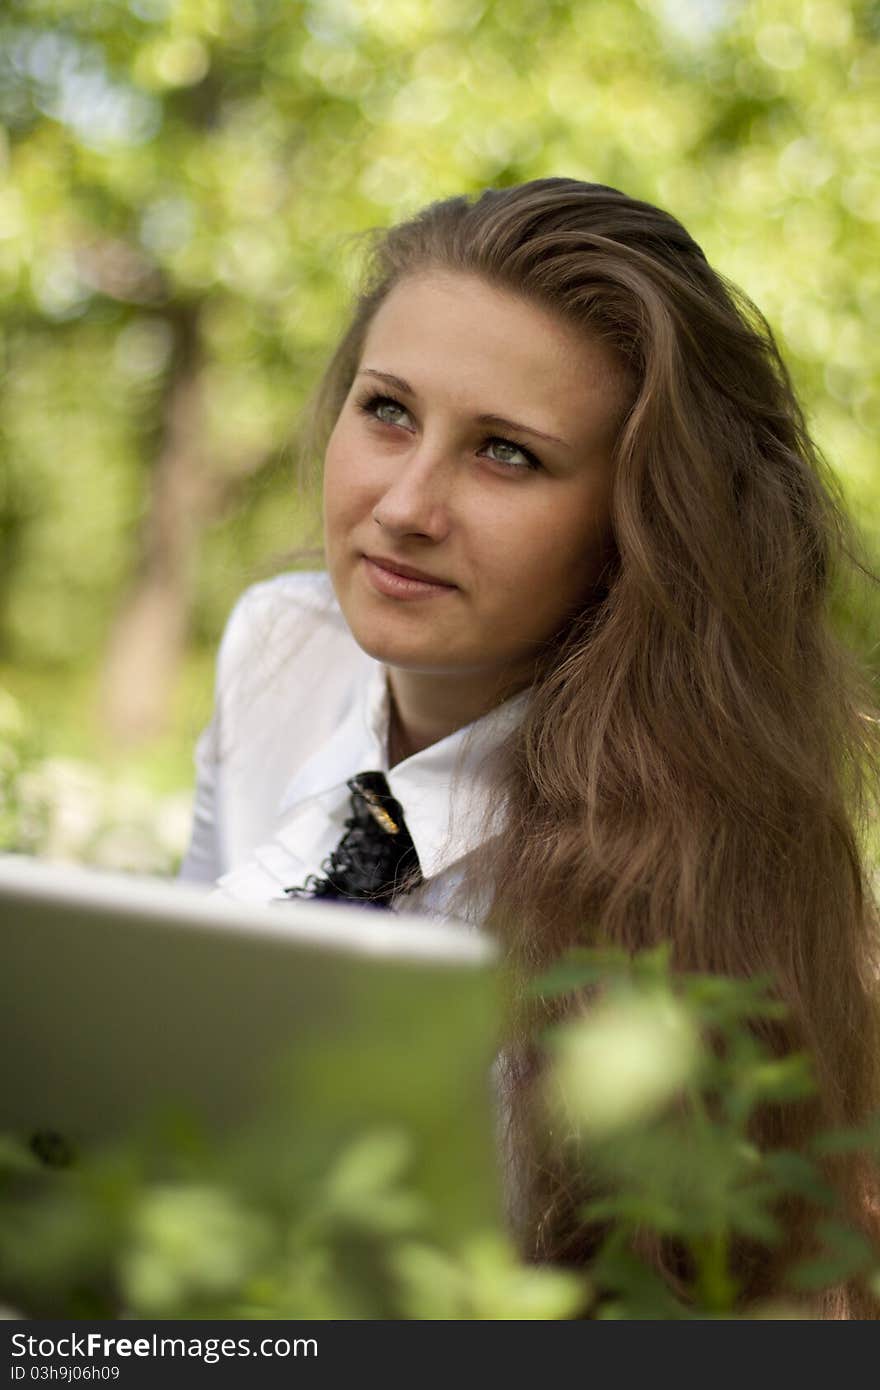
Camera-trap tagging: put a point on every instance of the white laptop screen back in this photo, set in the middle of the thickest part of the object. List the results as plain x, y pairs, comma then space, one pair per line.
125, 1000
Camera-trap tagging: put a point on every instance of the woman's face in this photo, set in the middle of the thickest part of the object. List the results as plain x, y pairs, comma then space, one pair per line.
458, 541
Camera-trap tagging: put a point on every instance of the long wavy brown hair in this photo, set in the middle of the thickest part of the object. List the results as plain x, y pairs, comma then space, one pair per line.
699, 759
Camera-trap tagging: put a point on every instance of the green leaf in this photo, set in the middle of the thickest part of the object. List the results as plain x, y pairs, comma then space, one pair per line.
782, 1079
846, 1254
637, 1290
795, 1173
864, 1138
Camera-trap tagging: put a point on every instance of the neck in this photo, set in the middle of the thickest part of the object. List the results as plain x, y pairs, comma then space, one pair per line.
426, 708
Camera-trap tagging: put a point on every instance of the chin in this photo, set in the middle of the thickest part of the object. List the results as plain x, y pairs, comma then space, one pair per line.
390, 653
397, 651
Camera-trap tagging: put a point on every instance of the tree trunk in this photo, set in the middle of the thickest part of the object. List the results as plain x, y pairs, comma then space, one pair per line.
147, 641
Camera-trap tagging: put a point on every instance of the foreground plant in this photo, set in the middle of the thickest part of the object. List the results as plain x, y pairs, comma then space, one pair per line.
173, 1225
653, 1092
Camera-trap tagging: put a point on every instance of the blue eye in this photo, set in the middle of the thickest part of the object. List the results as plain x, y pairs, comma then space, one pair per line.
526, 460
387, 411
389, 408
382, 408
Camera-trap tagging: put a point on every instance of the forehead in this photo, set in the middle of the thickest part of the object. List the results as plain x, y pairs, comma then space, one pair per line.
484, 348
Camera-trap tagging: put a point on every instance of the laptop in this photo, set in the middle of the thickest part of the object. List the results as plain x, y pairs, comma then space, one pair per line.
135, 1006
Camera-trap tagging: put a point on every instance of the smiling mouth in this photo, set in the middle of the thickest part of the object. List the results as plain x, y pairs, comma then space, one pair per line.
402, 581
408, 571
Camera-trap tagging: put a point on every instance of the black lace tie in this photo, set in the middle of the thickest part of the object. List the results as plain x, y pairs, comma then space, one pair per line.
376, 858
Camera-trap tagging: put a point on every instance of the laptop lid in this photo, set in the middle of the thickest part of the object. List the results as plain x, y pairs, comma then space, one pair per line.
125, 1001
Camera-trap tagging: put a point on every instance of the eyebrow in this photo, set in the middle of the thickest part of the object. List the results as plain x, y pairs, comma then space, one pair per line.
498, 421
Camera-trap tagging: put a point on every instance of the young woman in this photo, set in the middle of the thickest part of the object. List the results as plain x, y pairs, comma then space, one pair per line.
579, 548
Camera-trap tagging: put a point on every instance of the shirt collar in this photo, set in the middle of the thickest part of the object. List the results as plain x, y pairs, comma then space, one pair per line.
445, 790
359, 743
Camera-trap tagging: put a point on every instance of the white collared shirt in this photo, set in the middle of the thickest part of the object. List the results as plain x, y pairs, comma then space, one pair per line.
300, 708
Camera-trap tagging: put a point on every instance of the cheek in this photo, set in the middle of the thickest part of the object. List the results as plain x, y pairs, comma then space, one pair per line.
556, 558
346, 491
335, 469
559, 544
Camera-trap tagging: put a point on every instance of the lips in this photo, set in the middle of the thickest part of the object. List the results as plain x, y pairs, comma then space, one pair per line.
401, 583
408, 571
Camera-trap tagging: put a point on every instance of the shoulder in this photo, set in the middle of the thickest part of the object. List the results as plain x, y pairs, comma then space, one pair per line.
281, 614
286, 651
288, 670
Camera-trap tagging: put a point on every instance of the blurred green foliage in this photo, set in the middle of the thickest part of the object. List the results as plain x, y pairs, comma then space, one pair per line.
660, 1120
71, 809
180, 186
178, 1226
180, 181
23, 821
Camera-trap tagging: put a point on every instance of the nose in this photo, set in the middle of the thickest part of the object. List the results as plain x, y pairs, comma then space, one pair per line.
415, 501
